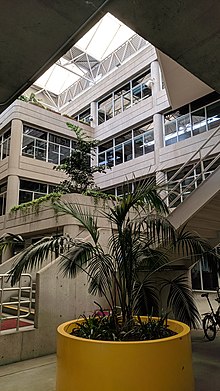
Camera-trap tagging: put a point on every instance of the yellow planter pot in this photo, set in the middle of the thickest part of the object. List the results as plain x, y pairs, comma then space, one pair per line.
159, 365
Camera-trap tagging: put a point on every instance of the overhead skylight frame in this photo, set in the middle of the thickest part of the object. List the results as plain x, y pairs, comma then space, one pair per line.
105, 37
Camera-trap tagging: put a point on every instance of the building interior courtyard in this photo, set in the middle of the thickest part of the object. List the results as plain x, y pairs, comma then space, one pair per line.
154, 108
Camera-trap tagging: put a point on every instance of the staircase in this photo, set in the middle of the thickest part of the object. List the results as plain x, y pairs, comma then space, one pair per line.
27, 304
195, 198
17, 302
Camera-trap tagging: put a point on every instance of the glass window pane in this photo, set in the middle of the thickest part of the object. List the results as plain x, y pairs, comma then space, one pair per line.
5, 148
184, 127
209, 275
7, 134
1, 204
110, 157
170, 133
28, 146
126, 100
136, 93
137, 132
109, 191
149, 141
127, 151
213, 115
117, 105
108, 111
118, 155
38, 195
85, 116
33, 186
107, 145
196, 279
101, 117
64, 153
146, 91
53, 153
138, 146
59, 140
3, 187
105, 110
124, 189
198, 122
124, 137
40, 150
35, 132
101, 159
25, 196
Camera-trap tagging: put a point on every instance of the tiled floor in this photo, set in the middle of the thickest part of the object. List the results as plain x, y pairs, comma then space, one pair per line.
39, 374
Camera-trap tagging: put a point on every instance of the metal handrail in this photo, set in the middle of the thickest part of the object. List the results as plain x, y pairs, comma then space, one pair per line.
18, 289
195, 164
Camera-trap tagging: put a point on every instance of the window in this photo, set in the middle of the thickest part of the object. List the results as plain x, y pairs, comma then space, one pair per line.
30, 191
3, 194
5, 140
205, 276
127, 187
185, 122
124, 97
127, 146
84, 116
41, 145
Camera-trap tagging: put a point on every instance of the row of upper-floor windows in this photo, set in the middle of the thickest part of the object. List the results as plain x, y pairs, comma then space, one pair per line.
128, 146
191, 120
124, 97
42, 145
30, 190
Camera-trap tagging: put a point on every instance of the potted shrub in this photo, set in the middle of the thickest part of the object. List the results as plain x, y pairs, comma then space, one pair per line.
129, 351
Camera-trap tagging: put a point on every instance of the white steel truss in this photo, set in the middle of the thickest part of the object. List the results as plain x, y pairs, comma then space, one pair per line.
89, 70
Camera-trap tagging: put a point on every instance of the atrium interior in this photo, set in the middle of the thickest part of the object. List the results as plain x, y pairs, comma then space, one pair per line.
153, 119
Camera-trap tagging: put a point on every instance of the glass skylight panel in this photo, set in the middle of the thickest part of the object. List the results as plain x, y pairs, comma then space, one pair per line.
100, 41
105, 37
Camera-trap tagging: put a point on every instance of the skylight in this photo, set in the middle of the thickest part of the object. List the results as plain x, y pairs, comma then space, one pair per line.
100, 41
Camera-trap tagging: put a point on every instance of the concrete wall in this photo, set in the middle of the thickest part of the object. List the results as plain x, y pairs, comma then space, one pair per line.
58, 299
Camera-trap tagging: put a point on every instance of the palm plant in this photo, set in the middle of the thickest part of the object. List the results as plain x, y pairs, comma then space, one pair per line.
142, 243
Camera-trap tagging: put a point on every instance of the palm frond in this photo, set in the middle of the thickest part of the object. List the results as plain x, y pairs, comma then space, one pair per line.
153, 259
145, 298
88, 221
33, 256
102, 270
76, 259
145, 197
180, 299
193, 246
9, 240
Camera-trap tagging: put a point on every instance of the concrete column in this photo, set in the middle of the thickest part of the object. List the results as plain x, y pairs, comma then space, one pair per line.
15, 146
93, 111
158, 137
12, 192
155, 76
13, 164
